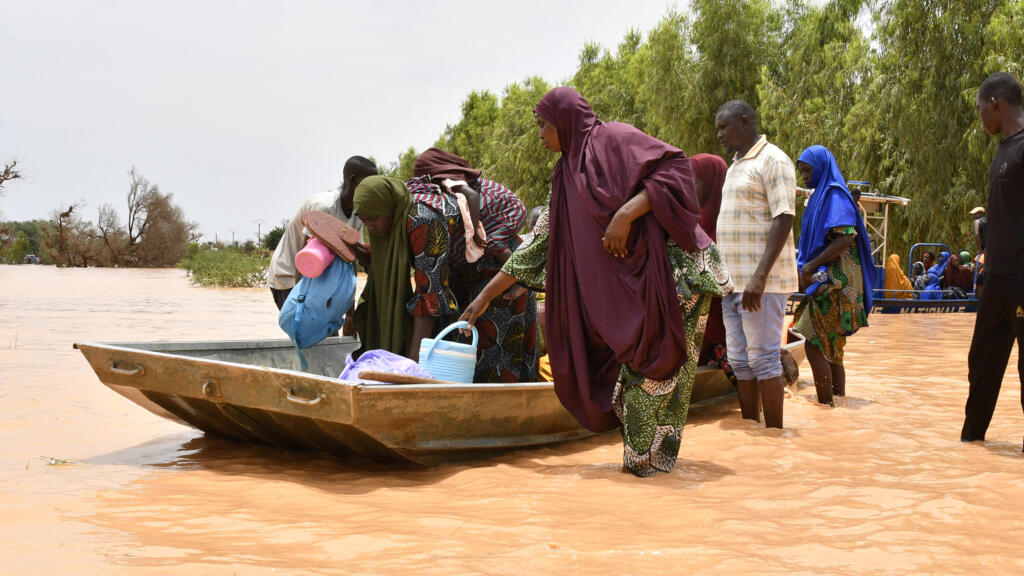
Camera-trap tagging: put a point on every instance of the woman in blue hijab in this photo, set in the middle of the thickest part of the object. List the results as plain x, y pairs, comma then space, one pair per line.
836, 271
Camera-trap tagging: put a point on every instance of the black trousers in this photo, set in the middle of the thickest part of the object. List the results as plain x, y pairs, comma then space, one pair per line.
1000, 321
280, 296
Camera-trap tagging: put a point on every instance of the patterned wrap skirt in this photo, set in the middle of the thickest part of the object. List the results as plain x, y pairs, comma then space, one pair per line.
836, 310
653, 412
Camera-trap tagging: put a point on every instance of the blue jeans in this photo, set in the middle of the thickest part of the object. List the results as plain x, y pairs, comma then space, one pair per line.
754, 339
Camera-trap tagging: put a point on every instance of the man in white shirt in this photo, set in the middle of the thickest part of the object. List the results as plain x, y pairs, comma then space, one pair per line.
282, 275
755, 238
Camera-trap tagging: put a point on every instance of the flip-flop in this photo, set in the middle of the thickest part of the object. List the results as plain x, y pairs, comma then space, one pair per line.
337, 235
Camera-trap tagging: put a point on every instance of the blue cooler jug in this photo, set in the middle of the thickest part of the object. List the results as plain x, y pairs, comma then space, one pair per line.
449, 361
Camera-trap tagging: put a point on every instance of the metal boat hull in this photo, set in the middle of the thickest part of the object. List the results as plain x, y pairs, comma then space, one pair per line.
253, 391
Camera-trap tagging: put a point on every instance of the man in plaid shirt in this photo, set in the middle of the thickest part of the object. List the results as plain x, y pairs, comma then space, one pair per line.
755, 238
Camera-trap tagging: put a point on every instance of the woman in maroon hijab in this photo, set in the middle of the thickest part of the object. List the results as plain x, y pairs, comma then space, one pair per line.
629, 275
708, 178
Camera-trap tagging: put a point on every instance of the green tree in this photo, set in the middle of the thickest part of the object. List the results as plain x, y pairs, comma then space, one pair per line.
19, 248
810, 97
31, 228
470, 136
9, 232
403, 167
931, 63
610, 82
1004, 43
818, 82
521, 162
734, 40
273, 237
666, 66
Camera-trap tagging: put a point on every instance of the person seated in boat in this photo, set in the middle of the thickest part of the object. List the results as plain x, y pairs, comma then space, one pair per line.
897, 285
836, 271
282, 275
957, 279
935, 270
920, 271
627, 283
927, 260
418, 232
918, 277
965, 259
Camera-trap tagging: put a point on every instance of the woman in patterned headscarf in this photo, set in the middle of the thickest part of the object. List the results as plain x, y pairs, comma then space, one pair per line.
418, 225
629, 276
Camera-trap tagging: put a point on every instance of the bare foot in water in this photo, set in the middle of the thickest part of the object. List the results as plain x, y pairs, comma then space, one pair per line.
790, 373
790, 369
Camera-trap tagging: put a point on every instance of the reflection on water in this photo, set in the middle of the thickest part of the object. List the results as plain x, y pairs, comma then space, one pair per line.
879, 485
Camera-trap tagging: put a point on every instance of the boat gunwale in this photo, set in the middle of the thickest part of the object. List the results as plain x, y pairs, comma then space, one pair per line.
168, 348
361, 386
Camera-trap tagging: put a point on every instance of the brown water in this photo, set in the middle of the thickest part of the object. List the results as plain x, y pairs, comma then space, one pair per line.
880, 486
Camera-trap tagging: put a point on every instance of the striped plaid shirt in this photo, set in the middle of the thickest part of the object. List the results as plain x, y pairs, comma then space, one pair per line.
758, 187
501, 212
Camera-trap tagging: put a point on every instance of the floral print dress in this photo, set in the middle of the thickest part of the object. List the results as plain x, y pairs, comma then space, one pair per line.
836, 310
444, 285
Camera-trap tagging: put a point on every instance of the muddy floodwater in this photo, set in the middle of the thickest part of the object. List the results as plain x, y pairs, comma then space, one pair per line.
881, 485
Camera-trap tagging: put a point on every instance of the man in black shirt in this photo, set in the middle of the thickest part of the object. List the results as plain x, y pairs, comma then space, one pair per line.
1000, 317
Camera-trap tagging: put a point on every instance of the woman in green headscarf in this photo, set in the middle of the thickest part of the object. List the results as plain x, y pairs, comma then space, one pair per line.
381, 319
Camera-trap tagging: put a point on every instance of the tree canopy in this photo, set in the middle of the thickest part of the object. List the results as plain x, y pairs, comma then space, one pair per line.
888, 86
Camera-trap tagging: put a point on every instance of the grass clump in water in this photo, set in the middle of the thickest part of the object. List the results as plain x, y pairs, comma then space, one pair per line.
229, 266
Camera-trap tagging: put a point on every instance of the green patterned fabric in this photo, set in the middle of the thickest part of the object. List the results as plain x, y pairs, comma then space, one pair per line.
653, 412
836, 310
528, 264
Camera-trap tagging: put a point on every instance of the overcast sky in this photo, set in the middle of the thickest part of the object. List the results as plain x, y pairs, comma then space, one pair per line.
244, 108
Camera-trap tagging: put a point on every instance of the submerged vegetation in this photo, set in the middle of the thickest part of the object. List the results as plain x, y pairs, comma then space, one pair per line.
155, 234
228, 266
887, 85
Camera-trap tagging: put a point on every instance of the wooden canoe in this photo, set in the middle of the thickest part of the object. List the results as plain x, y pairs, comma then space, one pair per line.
253, 391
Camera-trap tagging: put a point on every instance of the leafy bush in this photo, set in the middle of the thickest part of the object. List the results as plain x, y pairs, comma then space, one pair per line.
225, 266
19, 248
271, 238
